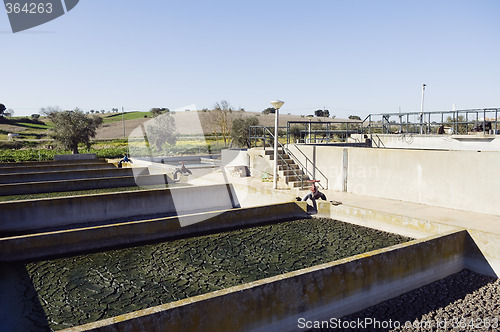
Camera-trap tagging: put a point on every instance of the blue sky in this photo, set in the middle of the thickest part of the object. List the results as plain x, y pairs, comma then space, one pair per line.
352, 57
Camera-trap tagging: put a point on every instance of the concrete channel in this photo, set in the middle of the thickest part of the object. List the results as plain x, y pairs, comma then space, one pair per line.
29, 215
55, 168
205, 263
275, 303
426, 251
67, 175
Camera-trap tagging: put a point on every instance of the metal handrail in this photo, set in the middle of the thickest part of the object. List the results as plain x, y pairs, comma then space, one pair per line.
350, 127
284, 160
256, 137
465, 121
289, 152
304, 169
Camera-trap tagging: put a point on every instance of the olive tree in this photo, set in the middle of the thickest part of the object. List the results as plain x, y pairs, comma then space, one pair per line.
156, 111
240, 133
72, 127
161, 130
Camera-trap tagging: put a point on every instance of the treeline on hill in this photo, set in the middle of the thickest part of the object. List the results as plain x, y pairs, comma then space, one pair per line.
64, 132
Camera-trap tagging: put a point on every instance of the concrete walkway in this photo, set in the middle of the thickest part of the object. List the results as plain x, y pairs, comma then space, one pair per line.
464, 219
261, 192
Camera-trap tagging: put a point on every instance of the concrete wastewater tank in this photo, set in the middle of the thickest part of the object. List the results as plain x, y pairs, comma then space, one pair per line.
262, 268
75, 290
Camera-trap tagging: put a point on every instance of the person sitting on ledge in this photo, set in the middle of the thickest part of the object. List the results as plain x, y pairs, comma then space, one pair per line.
125, 159
183, 170
314, 194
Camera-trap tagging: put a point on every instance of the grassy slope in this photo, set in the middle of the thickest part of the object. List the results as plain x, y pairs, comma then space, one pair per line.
24, 128
127, 116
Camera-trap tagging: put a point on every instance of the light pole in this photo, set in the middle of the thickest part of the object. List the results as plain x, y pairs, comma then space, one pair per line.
422, 109
123, 122
277, 105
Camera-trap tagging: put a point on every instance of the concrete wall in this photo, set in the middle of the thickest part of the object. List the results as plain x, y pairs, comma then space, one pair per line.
43, 245
80, 184
176, 159
473, 142
328, 161
46, 163
27, 215
80, 156
318, 293
54, 168
260, 166
235, 157
482, 248
70, 175
388, 222
463, 180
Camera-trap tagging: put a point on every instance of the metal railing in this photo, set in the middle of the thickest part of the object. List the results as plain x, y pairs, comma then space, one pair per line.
408, 125
266, 135
464, 122
313, 132
305, 168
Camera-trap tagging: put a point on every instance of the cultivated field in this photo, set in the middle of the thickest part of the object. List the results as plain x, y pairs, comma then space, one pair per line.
190, 123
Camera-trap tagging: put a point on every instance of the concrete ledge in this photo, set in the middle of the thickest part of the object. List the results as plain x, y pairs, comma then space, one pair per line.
69, 175
35, 246
47, 163
55, 168
483, 248
18, 216
80, 156
477, 142
318, 293
399, 224
483, 253
80, 184
176, 159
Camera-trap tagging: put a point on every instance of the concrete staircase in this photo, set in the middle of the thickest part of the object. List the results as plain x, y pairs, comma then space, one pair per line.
288, 170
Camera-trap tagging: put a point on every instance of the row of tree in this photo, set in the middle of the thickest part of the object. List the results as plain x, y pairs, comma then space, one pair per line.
222, 120
74, 127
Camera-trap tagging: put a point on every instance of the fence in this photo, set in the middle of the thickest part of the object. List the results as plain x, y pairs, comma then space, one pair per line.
463, 122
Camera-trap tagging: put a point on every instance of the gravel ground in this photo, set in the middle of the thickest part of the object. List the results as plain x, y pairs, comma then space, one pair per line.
465, 301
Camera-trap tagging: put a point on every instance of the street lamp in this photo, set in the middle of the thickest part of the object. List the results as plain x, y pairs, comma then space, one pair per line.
422, 109
277, 105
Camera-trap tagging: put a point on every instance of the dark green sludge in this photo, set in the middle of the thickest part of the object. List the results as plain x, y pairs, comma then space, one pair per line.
82, 289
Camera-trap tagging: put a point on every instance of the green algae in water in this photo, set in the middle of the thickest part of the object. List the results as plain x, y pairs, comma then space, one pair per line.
82, 289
